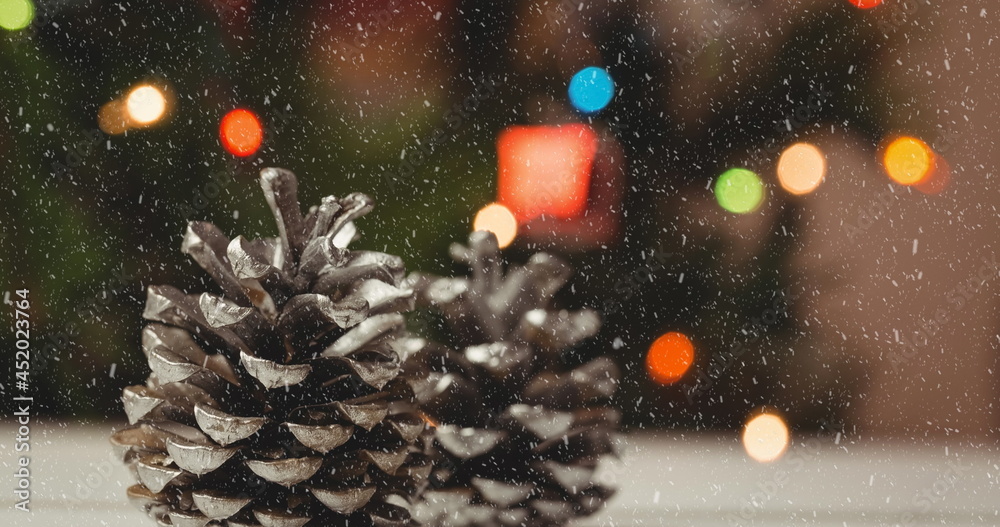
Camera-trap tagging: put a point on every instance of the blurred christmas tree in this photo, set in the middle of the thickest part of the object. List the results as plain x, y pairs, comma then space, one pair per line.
344, 91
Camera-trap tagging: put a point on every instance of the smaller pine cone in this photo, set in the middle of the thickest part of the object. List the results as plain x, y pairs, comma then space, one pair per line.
278, 402
519, 429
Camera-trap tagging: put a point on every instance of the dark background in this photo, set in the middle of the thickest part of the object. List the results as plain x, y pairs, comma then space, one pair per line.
701, 87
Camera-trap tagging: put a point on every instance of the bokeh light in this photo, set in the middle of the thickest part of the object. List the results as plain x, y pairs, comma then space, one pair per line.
801, 168
145, 104
591, 89
111, 118
669, 357
938, 179
739, 190
908, 160
865, 4
499, 220
545, 170
765, 437
241, 132
16, 14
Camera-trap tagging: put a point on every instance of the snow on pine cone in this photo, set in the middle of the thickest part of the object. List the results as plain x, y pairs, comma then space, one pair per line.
279, 402
520, 431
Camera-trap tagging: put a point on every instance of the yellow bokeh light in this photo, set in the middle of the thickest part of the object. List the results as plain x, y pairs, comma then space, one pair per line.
801, 168
145, 104
908, 160
765, 437
499, 220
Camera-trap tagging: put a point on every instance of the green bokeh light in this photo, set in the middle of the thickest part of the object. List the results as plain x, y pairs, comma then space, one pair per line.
739, 190
16, 14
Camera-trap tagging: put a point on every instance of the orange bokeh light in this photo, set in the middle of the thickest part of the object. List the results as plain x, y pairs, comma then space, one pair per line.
499, 220
546, 170
908, 160
241, 132
111, 118
865, 4
765, 437
801, 168
669, 357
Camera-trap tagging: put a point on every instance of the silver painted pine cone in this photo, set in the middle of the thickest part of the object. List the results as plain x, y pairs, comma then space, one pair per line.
278, 400
519, 428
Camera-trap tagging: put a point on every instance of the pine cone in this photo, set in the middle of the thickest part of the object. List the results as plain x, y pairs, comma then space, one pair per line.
279, 401
519, 431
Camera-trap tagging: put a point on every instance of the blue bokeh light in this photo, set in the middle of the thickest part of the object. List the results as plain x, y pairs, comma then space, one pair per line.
591, 89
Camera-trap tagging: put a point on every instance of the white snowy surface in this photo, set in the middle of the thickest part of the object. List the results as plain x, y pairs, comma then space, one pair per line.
682, 479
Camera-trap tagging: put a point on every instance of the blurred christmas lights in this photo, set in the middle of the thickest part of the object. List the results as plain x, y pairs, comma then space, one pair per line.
241, 132
739, 190
865, 4
938, 179
499, 220
145, 105
111, 118
669, 357
765, 437
16, 14
545, 170
908, 160
591, 89
801, 168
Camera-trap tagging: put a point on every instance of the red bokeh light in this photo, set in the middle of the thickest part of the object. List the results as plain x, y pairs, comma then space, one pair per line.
241, 132
546, 170
865, 4
669, 357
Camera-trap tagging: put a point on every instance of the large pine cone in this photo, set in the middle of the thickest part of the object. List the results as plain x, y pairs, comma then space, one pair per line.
519, 430
278, 403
